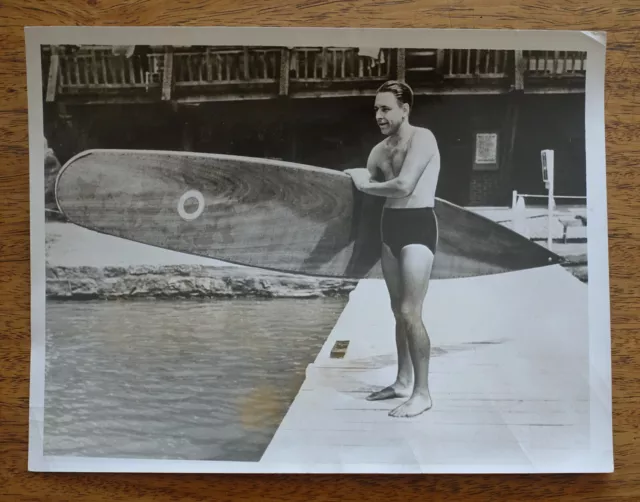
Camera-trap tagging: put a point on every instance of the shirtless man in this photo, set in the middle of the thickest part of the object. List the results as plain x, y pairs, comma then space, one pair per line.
410, 162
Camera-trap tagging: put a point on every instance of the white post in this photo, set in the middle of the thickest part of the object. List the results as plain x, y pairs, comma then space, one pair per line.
547, 170
550, 209
514, 214
520, 217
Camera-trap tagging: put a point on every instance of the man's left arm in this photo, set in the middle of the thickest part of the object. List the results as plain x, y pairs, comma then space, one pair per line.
421, 151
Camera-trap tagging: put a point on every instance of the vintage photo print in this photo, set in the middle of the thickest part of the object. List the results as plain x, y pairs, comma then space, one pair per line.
318, 250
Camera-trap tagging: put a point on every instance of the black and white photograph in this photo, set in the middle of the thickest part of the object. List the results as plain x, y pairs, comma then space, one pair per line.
318, 250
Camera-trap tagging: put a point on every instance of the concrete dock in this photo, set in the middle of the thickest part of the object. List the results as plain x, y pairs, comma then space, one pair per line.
509, 380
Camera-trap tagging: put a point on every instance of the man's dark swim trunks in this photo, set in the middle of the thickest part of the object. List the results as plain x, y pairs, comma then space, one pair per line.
403, 226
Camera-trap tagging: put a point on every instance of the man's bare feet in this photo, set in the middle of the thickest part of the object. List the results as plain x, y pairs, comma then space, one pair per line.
391, 392
416, 404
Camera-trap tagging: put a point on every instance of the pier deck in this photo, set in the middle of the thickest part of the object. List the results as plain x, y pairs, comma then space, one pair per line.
509, 380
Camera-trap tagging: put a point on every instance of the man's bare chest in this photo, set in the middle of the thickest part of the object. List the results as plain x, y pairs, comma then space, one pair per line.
391, 160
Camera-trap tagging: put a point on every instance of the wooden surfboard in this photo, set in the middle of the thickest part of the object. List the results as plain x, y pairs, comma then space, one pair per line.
269, 214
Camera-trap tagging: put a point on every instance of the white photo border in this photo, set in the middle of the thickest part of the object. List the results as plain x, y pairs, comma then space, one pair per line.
594, 43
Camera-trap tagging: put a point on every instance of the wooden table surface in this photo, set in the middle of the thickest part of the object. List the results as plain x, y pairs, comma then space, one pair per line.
620, 18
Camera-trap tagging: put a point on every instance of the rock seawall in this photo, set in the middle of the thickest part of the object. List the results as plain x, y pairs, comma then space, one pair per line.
200, 281
185, 281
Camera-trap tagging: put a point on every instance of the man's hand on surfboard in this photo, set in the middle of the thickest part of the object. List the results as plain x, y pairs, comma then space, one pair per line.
360, 176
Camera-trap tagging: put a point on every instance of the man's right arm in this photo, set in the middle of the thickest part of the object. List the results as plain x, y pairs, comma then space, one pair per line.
372, 164
367, 176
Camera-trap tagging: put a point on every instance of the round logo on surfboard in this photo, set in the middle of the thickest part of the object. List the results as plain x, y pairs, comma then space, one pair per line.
190, 194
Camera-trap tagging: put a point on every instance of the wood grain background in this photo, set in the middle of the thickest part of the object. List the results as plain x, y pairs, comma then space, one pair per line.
619, 18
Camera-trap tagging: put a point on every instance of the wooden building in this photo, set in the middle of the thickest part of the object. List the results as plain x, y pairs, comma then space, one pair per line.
492, 111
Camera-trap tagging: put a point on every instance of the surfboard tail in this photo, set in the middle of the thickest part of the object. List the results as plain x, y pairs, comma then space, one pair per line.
470, 245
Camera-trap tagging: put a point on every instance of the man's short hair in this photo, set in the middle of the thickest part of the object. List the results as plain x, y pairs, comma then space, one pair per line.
402, 91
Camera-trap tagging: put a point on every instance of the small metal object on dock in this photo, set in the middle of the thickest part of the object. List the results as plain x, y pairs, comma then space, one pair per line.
339, 349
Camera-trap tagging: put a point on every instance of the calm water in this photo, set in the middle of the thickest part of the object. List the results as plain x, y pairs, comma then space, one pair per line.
182, 379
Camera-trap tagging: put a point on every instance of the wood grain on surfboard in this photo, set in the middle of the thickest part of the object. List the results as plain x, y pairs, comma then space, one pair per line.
266, 213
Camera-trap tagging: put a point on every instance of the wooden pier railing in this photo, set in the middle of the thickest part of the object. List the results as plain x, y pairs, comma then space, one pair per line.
477, 63
555, 64
337, 64
155, 73
220, 67
103, 70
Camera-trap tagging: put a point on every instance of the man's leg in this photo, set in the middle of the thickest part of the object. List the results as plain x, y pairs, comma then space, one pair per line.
402, 386
415, 270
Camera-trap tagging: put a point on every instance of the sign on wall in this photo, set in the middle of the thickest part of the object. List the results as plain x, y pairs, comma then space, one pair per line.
486, 152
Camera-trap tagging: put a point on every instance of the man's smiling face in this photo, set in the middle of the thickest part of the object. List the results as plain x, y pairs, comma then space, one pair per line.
389, 113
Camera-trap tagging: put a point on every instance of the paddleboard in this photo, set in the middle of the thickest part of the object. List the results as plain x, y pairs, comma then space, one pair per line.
269, 214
